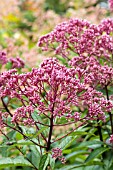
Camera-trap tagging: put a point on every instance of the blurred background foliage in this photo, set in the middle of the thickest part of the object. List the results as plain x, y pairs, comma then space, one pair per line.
22, 22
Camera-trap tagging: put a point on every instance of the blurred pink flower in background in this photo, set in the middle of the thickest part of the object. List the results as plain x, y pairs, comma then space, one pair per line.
110, 4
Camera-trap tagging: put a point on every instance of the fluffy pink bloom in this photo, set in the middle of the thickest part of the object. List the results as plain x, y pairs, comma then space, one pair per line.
92, 46
53, 89
91, 71
110, 4
24, 114
17, 62
57, 153
3, 58
80, 37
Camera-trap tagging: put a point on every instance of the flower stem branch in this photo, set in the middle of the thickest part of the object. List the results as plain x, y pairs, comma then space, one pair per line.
26, 158
50, 133
110, 115
41, 133
99, 131
5, 106
81, 124
24, 135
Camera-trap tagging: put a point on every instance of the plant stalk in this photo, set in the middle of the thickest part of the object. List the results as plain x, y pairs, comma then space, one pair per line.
50, 133
110, 115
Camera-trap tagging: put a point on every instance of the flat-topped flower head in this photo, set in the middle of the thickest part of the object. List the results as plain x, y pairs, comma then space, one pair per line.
53, 89
80, 37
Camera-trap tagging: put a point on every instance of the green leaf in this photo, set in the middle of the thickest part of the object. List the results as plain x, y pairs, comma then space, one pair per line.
13, 143
95, 153
8, 65
79, 133
76, 153
91, 132
69, 167
52, 162
12, 162
88, 144
92, 167
29, 132
95, 146
82, 166
43, 162
3, 151
19, 143
35, 155
66, 142
39, 132
36, 117
111, 167
108, 161
6, 100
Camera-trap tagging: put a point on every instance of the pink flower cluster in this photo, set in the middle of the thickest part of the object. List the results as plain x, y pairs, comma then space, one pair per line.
3, 58
110, 4
23, 114
52, 89
87, 48
16, 62
111, 139
90, 45
57, 153
91, 71
81, 38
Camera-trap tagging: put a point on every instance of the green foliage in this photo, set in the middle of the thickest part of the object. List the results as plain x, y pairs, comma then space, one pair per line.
60, 8
44, 162
94, 154
12, 162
